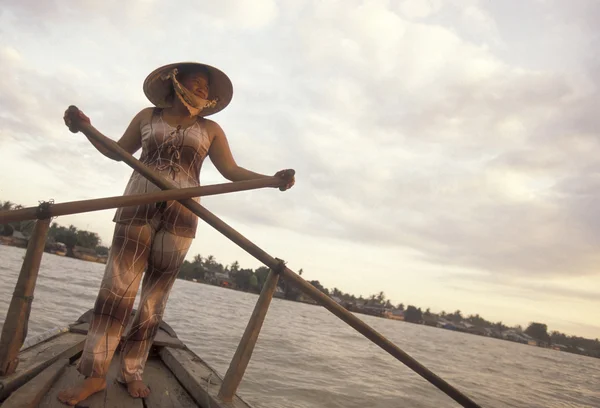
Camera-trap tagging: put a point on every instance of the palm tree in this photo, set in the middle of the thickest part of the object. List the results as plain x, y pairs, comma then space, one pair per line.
209, 261
7, 206
6, 229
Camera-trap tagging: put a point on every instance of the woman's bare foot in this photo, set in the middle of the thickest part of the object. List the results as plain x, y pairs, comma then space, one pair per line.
72, 396
138, 389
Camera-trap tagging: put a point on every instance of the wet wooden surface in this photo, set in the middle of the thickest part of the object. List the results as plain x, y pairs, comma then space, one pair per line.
30, 394
175, 375
37, 358
165, 389
114, 396
198, 379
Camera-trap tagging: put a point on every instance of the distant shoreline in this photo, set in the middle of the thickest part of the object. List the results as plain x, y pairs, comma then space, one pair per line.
215, 274
513, 336
83, 254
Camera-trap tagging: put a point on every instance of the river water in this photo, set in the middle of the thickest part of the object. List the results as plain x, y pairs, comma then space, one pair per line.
307, 357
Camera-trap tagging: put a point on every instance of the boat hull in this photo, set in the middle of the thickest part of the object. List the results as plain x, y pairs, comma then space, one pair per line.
175, 374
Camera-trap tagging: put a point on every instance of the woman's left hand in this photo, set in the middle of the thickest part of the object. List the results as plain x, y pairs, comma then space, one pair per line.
288, 176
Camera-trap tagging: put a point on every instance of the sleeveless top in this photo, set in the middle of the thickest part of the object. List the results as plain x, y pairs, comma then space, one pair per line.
176, 154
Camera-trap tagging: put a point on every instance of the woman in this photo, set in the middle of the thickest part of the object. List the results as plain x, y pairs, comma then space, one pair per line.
175, 138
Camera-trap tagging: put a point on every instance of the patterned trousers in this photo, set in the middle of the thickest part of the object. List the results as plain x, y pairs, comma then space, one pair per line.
135, 249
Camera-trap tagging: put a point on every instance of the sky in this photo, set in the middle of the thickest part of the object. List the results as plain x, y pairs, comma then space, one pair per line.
446, 152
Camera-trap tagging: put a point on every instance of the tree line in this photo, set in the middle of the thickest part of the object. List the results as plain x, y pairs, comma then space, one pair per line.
71, 236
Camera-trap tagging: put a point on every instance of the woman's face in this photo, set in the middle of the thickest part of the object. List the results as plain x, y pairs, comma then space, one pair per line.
196, 82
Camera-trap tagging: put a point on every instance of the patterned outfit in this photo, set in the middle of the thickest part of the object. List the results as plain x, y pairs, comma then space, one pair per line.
151, 237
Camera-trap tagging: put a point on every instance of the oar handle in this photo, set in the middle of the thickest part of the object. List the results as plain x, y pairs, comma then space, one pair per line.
76, 112
286, 175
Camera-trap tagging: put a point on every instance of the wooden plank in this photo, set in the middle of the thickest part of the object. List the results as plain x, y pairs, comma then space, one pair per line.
162, 339
30, 394
200, 381
243, 353
47, 335
37, 358
114, 396
14, 330
165, 390
70, 376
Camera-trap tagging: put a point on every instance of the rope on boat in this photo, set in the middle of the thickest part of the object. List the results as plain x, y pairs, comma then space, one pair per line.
44, 210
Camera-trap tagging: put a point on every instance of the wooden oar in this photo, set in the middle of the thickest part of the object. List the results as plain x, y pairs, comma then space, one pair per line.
276, 265
75, 207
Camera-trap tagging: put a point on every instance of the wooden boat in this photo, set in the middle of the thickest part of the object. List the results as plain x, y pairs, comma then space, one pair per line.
56, 248
87, 254
177, 377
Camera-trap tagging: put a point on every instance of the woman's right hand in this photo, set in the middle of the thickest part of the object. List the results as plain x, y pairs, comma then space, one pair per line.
74, 118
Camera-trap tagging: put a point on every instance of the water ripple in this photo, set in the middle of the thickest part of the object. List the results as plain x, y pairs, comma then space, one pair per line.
307, 358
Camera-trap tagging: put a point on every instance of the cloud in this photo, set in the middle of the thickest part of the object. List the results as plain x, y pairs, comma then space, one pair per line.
439, 156
521, 287
255, 15
23, 107
419, 9
480, 22
63, 11
457, 110
408, 124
